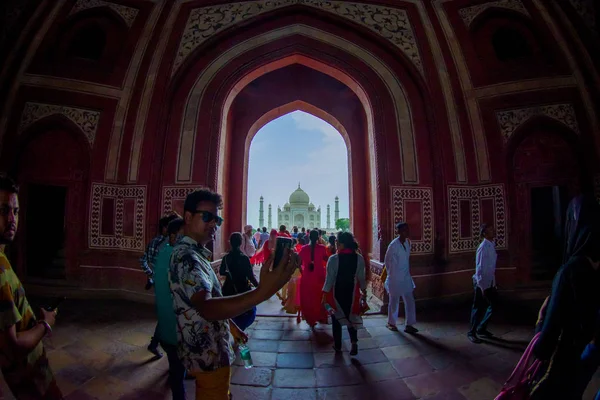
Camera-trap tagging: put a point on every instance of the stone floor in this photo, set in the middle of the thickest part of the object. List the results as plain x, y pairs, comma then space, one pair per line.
98, 351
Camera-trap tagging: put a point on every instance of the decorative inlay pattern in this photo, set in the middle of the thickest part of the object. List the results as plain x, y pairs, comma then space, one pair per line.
587, 11
425, 196
171, 193
119, 193
86, 120
391, 23
127, 13
469, 14
475, 195
510, 120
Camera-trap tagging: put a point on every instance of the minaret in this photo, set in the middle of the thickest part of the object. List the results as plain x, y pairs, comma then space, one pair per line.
336, 211
261, 213
270, 221
328, 217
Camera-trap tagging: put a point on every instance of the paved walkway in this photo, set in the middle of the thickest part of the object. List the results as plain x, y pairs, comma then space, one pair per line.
98, 351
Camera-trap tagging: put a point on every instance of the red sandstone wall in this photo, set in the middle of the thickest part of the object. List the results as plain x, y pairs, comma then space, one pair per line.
110, 130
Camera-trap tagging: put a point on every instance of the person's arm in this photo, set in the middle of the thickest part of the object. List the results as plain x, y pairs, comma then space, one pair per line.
361, 274
389, 259
222, 308
250, 272
144, 262
331, 274
554, 319
479, 265
251, 248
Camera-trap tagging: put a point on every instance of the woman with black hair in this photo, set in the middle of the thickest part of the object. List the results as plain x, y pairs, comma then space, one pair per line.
342, 290
313, 258
237, 270
331, 248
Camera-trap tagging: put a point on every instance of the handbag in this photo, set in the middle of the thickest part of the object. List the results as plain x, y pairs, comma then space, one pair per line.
518, 385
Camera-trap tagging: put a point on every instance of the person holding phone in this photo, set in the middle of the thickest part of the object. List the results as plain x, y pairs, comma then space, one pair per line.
204, 333
313, 258
22, 355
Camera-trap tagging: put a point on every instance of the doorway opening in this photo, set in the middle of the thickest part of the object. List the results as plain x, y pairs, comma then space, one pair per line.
548, 209
298, 176
46, 231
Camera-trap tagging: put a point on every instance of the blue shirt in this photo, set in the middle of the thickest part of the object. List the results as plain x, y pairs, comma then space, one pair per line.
167, 321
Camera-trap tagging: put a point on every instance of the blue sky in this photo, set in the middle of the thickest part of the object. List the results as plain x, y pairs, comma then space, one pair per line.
297, 147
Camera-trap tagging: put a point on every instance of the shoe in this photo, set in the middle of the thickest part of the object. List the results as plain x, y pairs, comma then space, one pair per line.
473, 338
155, 351
410, 329
485, 333
336, 349
392, 328
354, 349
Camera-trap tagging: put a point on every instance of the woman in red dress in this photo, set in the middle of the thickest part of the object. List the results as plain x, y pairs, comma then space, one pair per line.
265, 251
313, 258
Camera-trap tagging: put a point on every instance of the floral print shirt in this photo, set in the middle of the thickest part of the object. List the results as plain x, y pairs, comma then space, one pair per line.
203, 345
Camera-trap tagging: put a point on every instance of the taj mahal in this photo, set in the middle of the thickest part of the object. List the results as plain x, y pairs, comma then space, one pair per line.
298, 211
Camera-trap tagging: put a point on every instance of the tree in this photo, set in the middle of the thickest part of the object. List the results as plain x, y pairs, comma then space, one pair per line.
342, 224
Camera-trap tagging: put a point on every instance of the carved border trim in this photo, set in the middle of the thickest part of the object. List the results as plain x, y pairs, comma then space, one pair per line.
425, 195
510, 120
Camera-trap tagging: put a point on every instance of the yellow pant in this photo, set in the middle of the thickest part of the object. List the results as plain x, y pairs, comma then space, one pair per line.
213, 385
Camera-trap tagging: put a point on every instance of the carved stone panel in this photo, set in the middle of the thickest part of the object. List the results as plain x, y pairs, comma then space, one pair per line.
391, 23
86, 120
469, 14
510, 120
127, 13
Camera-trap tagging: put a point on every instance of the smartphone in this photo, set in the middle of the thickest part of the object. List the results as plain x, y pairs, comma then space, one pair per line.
54, 305
281, 244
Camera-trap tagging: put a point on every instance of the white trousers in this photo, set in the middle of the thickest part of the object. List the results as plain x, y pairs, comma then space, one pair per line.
409, 309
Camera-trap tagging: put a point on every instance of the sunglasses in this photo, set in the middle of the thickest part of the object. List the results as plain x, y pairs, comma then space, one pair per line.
208, 217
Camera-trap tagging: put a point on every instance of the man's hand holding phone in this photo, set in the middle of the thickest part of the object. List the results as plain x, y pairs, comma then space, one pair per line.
273, 277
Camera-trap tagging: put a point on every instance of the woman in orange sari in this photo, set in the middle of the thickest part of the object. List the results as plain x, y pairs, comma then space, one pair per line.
313, 258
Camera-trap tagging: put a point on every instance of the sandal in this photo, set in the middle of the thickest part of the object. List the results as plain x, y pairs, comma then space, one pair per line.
392, 328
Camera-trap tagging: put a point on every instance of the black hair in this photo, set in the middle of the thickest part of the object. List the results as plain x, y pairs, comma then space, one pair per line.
347, 239
301, 241
175, 226
281, 228
295, 229
482, 229
303, 229
332, 244
401, 225
200, 195
264, 229
8, 185
165, 221
235, 240
314, 237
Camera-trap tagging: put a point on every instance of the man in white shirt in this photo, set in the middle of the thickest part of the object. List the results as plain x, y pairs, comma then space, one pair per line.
247, 245
484, 281
399, 283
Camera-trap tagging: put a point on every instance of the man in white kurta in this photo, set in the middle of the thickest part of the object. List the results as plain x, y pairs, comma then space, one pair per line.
247, 246
399, 283
484, 281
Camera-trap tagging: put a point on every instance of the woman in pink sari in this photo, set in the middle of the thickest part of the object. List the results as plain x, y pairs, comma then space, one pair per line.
313, 258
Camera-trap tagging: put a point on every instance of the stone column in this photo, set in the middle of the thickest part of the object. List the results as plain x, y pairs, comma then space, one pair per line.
336, 210
328, 217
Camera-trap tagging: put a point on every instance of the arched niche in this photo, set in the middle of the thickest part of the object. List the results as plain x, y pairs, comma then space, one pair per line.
52, 167
87, 46
546, 172
509, 46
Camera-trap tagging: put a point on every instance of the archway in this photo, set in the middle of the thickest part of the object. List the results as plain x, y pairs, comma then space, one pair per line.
545, 176
388, 117
274, 114
52, 167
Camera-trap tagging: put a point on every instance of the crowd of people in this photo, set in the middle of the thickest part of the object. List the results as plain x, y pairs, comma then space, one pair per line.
202, 315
